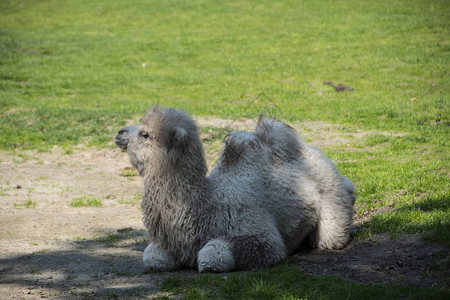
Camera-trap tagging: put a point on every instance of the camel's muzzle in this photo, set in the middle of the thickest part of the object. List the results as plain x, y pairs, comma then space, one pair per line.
123, 136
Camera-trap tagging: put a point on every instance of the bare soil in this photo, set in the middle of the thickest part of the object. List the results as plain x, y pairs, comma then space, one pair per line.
407, 260
51, 249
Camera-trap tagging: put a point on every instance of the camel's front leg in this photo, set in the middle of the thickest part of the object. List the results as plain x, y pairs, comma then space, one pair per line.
158, 259
244, 252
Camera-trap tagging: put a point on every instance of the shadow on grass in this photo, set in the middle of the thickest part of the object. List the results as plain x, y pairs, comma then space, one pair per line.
287, 281
429, 216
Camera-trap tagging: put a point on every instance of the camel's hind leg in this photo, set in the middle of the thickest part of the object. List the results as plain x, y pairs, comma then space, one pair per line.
334, 228
329, 237
244, 252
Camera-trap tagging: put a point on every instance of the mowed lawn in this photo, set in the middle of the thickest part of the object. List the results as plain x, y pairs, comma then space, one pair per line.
73, 72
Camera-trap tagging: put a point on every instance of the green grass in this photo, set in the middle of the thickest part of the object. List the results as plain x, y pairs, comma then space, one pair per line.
129, 172
75, 72
287, 282
36, 272
27, 204
86, 202
3, 191
430, 216
406, 173
111, 239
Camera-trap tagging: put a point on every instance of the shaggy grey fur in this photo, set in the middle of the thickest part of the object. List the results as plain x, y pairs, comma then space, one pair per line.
268, 193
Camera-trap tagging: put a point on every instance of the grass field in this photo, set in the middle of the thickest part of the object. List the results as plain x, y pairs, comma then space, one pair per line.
73, 72
285, 282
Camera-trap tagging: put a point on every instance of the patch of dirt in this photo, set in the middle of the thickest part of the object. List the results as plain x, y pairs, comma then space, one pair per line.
407, 260
317, 133
51, 249
361, 218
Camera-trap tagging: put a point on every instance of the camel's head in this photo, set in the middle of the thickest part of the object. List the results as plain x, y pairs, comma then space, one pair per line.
167, 138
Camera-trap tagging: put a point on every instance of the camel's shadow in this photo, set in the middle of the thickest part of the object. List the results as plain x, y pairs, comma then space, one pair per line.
109, 266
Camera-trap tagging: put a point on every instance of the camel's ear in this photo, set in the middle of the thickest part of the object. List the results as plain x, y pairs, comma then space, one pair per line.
178, 138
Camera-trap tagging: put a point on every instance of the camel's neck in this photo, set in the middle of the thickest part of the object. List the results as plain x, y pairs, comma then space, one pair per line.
177, 186
181, 182
174, 207
176, 176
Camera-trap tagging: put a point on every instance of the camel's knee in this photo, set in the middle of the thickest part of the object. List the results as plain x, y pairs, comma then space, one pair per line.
252, 252
156, 258
244, 252
216, 256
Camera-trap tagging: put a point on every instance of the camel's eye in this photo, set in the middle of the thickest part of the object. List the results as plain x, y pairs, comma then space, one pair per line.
144, 135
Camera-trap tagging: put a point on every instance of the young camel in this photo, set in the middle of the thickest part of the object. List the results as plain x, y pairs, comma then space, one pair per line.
269, 193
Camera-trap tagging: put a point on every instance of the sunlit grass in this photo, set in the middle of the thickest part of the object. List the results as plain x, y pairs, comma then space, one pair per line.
74, 73
286, 282
129, 172
26, 204
86, 202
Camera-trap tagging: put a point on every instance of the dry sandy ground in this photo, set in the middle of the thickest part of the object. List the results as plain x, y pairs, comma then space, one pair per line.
50, 249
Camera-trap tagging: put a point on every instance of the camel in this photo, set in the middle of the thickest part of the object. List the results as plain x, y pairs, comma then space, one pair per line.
268, 194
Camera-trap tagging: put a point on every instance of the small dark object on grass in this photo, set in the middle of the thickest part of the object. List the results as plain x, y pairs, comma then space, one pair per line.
340, 87
206, 136
18, 186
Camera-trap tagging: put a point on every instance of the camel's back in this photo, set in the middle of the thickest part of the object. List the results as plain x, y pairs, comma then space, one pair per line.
255, 197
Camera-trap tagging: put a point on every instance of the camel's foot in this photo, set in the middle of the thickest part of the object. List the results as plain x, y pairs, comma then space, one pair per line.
157, 259
216, 256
